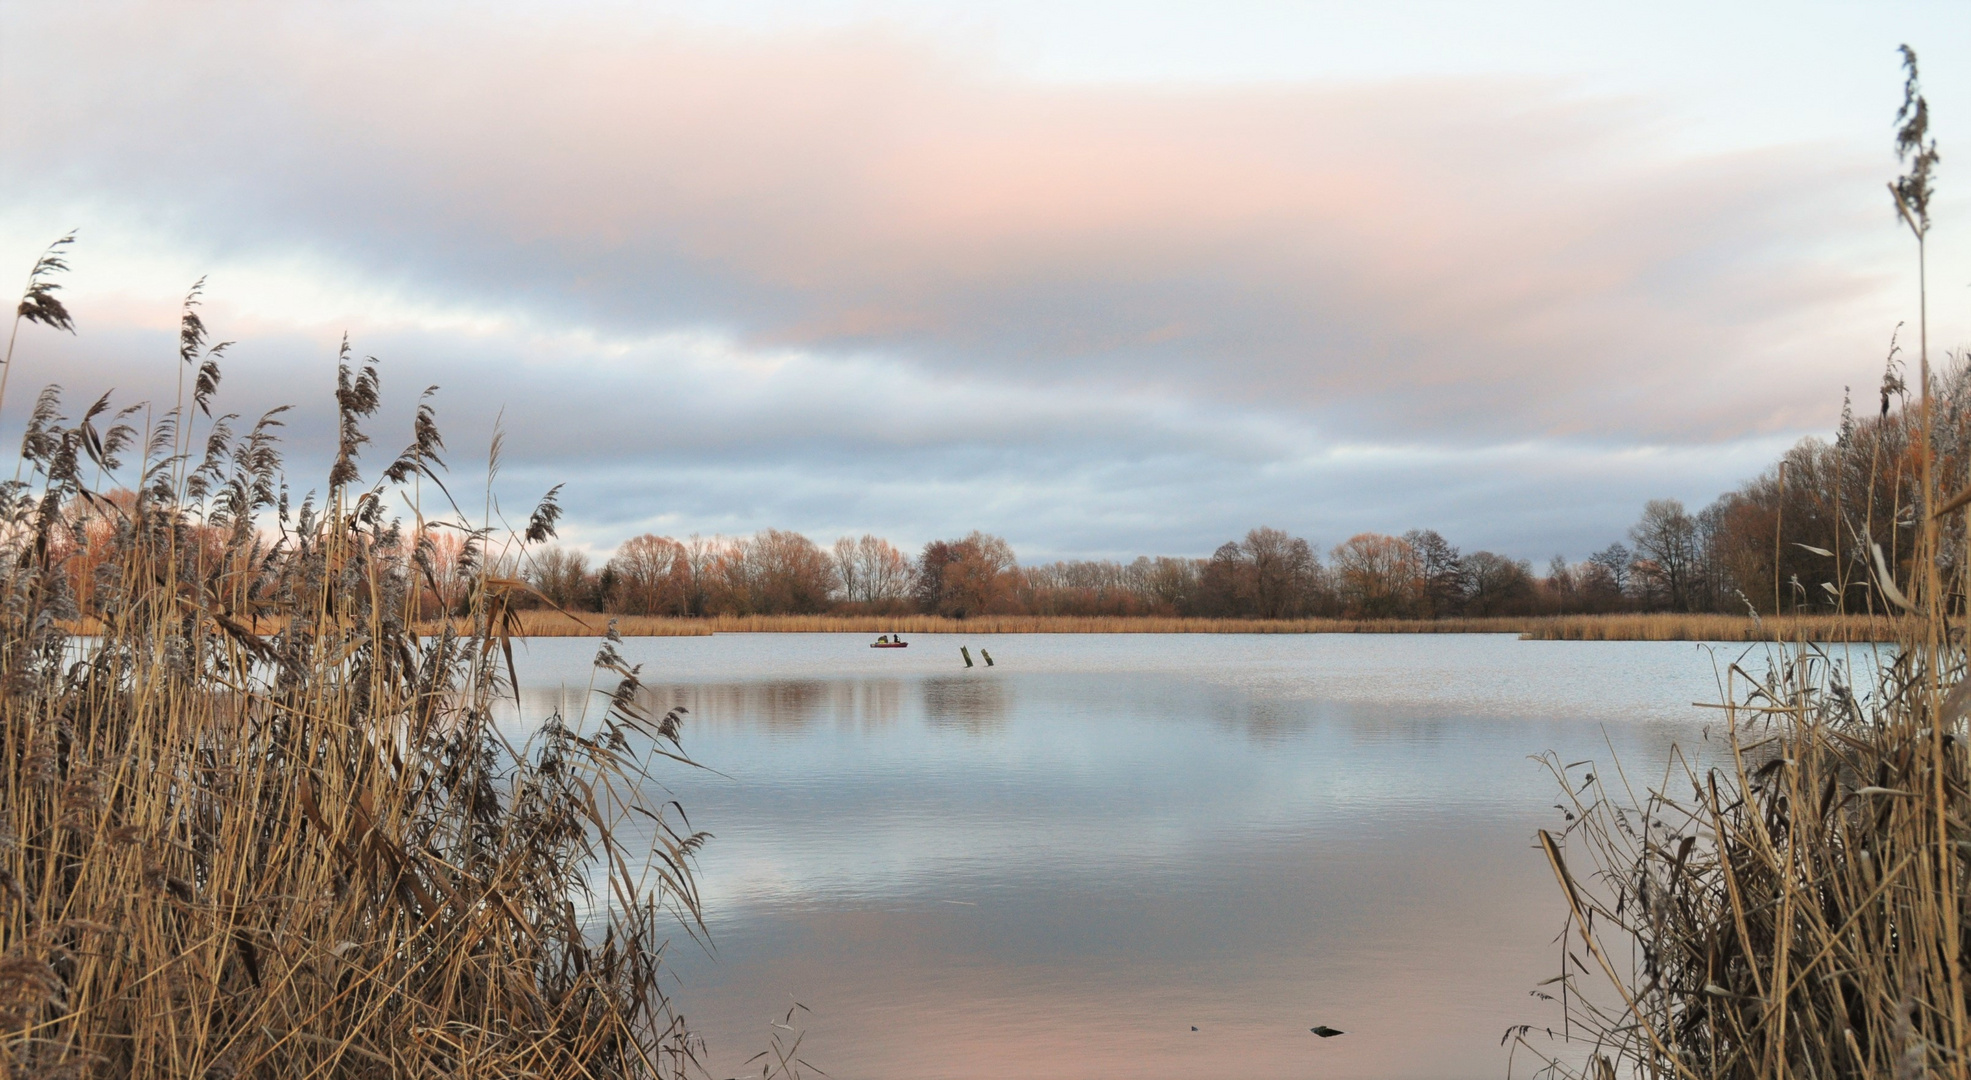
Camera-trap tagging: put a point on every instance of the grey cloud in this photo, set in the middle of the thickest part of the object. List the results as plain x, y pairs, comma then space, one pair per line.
657, 441
1451, 260
840, 282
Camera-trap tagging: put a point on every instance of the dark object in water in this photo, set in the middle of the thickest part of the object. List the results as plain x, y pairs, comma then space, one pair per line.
987, 655
1194, 1027
967, 654
1326, 1032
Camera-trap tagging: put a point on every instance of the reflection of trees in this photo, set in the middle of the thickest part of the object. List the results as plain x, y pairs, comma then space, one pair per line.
778, 705
976, 705
791, 705
773, 705
871, 703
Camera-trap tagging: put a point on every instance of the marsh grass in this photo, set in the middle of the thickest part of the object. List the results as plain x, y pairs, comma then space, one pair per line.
541, 622
1796, 908
255, 824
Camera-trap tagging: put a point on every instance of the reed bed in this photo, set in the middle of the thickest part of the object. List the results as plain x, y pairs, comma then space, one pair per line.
1677, 627
1796, 904
543, 622
1797, 908
255, 825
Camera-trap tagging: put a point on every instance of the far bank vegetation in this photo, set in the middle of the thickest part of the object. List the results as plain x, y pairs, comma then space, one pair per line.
1797, 540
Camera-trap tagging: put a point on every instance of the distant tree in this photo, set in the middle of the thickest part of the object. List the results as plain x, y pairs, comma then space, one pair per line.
602, 588
1615, 561
438, 556
871, 570
1376, 576
776, 572
563, 577
1595, 589
652, 576
703, 559
1667, 552
1442, 572
1283, 573
1268, 575
974, 575
1560, 590
1168, 585
1084, 587
1497, 585
1221, 590
927, 585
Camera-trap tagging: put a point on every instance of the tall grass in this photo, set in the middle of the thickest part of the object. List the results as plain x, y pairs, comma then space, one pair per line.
256, 825
1799, 908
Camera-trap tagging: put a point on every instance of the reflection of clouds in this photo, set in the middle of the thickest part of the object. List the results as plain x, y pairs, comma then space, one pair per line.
1236, 832
1094, 968
975, 705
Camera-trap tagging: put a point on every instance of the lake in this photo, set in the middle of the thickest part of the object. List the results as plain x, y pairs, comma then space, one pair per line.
1062, 864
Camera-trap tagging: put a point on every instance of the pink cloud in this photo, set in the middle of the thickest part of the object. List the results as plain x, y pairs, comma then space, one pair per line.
1419, 260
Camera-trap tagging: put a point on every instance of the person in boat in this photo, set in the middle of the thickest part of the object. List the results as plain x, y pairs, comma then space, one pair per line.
884, 640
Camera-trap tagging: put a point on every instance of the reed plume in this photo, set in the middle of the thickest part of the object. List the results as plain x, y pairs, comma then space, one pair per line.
254, 824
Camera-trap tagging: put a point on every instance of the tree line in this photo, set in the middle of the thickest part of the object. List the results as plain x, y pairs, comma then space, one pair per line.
1800, 537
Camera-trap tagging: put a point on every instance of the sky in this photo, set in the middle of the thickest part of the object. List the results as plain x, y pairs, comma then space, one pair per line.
1105, 279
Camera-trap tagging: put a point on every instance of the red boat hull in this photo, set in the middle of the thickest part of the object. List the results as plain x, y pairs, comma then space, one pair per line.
890, 645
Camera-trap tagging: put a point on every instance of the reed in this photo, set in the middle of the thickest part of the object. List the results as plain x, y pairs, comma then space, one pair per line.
256, 825
543, 622
1735, 628
1797, 907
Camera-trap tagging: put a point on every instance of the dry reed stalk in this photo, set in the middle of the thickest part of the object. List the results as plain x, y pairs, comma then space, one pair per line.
254, 825
1795, 909
1799, 908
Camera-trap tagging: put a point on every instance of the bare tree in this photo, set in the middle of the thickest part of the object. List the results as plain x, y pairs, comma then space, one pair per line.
1283, 569
964, 577
871, 570
1166, 582
1666, 551
1376, 575
563, 577
702, 557
776, 572
1442, 571
652, 576
1615, 560
1497, 585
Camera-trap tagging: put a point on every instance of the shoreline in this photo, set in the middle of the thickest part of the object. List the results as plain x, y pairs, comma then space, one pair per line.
1645, 627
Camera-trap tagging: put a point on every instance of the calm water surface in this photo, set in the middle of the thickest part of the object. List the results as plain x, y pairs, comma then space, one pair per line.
1058, 865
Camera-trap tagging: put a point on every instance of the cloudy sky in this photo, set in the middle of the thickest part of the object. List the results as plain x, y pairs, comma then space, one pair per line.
1105, 278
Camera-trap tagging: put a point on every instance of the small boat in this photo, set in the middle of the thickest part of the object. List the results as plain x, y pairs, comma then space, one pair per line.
885, 642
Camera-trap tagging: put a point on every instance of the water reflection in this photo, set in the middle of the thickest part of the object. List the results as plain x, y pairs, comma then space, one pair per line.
975, 706
1132, 836
788, 706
